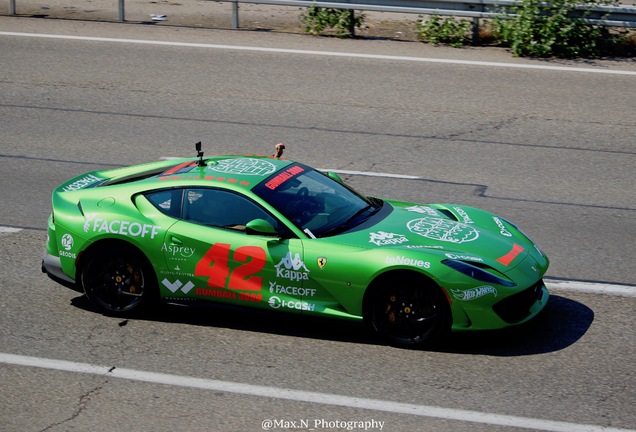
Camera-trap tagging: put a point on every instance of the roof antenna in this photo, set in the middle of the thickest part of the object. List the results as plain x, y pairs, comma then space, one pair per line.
197, 146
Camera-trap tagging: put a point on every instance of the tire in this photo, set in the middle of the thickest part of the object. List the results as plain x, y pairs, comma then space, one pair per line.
408, 311
118, 280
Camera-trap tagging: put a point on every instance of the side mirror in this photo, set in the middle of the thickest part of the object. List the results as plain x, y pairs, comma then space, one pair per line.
334, 176
260, 227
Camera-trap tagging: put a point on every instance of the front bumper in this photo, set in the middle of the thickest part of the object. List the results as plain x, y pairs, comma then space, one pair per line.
52, 266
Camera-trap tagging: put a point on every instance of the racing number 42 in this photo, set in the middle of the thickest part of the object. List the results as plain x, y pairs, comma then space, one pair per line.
215, 265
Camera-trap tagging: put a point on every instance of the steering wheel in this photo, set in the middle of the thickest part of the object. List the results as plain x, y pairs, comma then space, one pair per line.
302, 193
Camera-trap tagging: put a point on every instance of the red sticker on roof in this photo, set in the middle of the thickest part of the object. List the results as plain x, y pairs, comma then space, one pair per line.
283, 177
510, 256
188, 164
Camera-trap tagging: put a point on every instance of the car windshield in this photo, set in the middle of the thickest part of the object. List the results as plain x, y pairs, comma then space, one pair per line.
314, 202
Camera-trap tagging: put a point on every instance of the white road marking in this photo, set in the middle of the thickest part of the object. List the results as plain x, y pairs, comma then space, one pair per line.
306, 396
591, 287
324, 53
9, 230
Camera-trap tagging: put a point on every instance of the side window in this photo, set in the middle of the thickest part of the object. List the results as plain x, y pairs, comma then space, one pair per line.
167, 201
219, 208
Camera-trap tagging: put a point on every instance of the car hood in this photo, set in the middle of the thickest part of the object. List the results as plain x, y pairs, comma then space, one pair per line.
447, 231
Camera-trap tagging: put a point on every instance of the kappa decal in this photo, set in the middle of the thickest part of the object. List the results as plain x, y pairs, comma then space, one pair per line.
443, 230
474, 293
292, 268
382, 238
244, 166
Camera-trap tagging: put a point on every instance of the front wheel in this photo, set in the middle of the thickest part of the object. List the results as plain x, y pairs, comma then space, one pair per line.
118, 280
408, 311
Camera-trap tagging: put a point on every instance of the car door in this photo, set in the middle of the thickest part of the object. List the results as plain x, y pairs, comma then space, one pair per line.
211, 257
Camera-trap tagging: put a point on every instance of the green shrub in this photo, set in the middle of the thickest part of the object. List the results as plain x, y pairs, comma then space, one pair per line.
343, 21
536, 29
449, 31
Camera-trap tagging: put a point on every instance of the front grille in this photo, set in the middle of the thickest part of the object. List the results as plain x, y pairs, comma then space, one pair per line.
517, 307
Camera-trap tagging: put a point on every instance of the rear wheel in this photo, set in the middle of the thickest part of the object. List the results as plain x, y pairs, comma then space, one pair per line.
408, 311
118, 280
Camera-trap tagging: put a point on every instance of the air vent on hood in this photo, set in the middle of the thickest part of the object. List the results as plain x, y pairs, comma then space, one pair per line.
449, 214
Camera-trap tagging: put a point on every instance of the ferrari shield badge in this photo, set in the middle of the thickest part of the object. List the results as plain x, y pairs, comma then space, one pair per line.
322, 262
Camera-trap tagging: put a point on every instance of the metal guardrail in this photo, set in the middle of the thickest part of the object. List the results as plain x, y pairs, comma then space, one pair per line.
607, 16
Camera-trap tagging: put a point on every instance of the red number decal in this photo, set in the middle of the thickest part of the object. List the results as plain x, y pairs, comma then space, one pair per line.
214, 265
242, 277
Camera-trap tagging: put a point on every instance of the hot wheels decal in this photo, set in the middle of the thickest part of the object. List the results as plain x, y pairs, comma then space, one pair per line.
474, 293
382, 238
244, 166
443, 230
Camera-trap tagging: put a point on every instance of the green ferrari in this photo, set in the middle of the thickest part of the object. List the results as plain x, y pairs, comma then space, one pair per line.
264, 232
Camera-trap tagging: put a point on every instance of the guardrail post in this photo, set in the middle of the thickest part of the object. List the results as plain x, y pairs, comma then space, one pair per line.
122, 12
475, 31
235, 14
12, 7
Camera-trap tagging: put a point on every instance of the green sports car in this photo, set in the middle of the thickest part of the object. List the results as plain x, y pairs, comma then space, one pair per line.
273, 234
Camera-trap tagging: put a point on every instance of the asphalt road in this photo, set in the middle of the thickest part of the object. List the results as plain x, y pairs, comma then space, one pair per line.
550, 149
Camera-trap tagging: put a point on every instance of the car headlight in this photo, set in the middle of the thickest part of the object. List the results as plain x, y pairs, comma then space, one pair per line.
477, 273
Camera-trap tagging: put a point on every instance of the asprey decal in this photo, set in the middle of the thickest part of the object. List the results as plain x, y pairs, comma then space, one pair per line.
443, 230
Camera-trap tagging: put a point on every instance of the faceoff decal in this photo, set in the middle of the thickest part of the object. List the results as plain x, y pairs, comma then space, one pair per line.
443, 230
132, 229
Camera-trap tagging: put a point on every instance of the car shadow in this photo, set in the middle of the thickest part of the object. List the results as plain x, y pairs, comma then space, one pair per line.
561, 324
